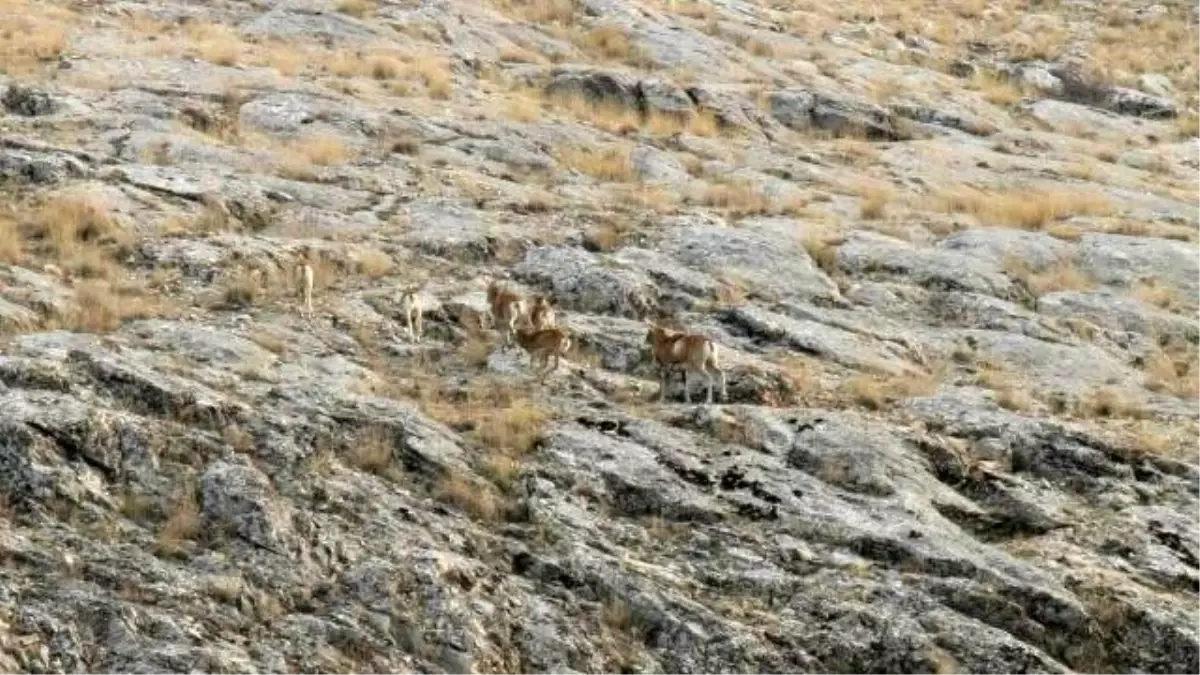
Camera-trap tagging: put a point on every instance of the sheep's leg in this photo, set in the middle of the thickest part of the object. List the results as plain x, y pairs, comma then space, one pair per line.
710, 385
724, 391
662, 382
420, 324
687, 384
408, 318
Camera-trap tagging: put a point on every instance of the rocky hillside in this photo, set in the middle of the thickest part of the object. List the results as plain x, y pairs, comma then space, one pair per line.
948, 249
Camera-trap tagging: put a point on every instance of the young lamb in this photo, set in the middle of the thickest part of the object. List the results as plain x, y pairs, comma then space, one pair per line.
542, 313
506, 307
543, 343
695, 353
414, 310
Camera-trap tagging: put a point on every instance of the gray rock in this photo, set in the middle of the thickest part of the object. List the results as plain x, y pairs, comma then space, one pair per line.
239, 500
866, 253
803, 109
578, 283
654, 166
1122, 261
18, 100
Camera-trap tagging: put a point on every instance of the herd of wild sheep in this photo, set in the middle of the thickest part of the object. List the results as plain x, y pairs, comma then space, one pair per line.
533, 328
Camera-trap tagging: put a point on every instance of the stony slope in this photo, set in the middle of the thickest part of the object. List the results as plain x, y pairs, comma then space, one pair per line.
949, 249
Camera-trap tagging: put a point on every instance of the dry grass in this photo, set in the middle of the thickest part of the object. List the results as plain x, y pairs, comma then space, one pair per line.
476, 499
242, 289
1027, 209
996, 89
822, 248
523, 106
68, 220
182, 525
562, 12
736, 198
875, 200
1008, 392
879, 392
1175, 373
32, 36
610, 43
357, 8
12, 246
434, 72
703, 123
1154, 292
101, 307
1061, 276
215, 43
1108, 402
607, 164
374, 263
605, 115
371, 451
300, 159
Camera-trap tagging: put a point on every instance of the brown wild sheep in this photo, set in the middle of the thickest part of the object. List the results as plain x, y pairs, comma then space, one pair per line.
506, 307
695, 353
306, 287
543, 344
414, 310
542, 313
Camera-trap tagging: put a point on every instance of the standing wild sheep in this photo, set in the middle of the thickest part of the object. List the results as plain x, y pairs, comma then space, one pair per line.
306, 287
695, 353
542, 313
506, 307
543, 343
410, 304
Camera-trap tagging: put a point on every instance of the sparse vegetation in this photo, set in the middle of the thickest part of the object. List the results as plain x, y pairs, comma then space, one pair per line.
1026, 209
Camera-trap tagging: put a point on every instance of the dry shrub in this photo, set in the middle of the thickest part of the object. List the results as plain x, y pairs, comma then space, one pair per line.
243, 289
514, 429
606, 42
1187, 126
371, 451
1026, 209
606, 164
1008, 392
374, 263
822, 248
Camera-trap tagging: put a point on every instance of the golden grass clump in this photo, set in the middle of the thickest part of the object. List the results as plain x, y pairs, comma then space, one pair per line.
605, 115
31, 35
1029, 209
101, 308
1175, 373
476, 499
738, 198
215, 43
609, 164
182, 524
374, 263
1154, 292
1108, 402
878, 392
1060, 276
875, 201
357, 8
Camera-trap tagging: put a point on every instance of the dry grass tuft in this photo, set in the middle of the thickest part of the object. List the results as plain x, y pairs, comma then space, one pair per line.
878, 392
1061, 276
1026, 209
875, 200
371, 451
99, 307
737, 198
476, 499
215, 43
605, 115
374, 263
357, 8
1154, 292
1108, 402
434, 72
822, 248
1175, 373
606, 164
31, 36
182, 525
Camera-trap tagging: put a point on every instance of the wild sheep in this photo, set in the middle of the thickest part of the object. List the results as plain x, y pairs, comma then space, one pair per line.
542, 313
506, 307
695, 353
306, 287
414, 310
543, 343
